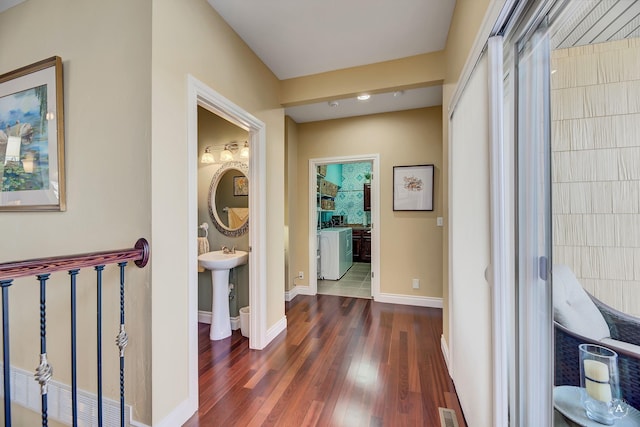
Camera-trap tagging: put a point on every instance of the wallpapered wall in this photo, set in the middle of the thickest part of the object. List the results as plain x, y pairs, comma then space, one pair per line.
349, 200
596, 173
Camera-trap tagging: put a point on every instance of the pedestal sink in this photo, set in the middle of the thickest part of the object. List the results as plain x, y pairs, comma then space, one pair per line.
220, 263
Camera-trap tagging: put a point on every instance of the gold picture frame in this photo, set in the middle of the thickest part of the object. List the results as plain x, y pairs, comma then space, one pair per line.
32, 138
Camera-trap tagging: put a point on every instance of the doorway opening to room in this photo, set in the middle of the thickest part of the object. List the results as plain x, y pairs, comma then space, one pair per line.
200, 95
344, 226
223, 215
344, 229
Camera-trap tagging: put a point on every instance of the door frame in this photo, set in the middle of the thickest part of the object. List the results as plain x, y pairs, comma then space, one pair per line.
312, 288
199, 94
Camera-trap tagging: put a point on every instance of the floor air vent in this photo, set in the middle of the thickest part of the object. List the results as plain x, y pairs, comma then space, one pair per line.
448, 418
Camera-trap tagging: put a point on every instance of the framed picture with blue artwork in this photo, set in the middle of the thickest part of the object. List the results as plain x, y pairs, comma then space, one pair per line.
413, 188
32, 138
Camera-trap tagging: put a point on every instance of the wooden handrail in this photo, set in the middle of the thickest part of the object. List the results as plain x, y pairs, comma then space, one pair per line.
139, 254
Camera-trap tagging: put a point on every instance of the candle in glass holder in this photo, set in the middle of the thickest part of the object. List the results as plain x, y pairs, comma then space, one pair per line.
597, 380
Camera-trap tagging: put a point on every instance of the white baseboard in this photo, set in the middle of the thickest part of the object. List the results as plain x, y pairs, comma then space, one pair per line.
410, 300
179, 415
445, 354
291, 294
275, 330
26, 393
205, 317
304, 290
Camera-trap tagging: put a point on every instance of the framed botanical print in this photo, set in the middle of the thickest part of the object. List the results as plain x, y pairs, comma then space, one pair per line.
413, 188
32, 138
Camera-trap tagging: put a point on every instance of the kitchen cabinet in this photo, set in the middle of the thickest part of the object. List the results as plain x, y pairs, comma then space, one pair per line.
367, 197
361, 245
365, 248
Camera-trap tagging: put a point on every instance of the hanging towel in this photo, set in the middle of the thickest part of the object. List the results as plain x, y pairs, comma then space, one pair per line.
203, 246
237, 216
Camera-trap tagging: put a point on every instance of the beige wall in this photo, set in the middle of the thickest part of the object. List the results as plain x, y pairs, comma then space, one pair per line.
596, 171
291, 204
465, 24
105, 48
401, 138
189, 37
215, 131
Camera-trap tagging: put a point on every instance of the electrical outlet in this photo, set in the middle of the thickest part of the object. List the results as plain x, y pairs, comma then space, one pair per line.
300, 274
416, 283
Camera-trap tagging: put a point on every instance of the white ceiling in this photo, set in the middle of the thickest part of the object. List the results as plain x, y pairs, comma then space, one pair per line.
302, 37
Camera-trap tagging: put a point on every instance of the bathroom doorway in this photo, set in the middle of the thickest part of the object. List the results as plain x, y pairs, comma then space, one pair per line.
340, 220
222, 209
200, 95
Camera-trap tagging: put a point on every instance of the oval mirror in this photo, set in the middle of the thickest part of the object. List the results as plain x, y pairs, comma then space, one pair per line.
229, 199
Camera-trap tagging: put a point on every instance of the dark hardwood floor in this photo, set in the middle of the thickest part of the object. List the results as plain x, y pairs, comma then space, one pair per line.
341, 362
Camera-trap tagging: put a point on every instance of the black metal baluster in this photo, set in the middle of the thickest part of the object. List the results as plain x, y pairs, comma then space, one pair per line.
74, 356
122, 341
43, 371
99, 269
5, 350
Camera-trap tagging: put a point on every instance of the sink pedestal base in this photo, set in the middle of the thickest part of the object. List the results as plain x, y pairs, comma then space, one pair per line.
220, 320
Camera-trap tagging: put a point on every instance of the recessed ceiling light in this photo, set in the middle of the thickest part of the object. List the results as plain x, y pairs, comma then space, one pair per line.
364, 97
333, 103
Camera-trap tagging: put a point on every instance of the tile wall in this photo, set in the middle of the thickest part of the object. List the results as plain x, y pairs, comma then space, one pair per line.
595, 109
349, 200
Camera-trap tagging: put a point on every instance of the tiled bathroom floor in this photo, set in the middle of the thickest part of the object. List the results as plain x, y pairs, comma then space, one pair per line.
355, 283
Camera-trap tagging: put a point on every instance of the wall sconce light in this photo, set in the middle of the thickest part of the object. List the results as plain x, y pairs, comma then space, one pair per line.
244, 151
231, 149
207, 156
227, 155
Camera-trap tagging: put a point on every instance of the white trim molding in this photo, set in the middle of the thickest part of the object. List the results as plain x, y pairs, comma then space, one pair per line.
304, 290
445, 354
277, 328
199, 94
375, 219
291, 293
178, 416
204, 317
417, 301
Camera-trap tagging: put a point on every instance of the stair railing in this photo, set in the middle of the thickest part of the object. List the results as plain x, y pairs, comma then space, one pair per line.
41, 269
